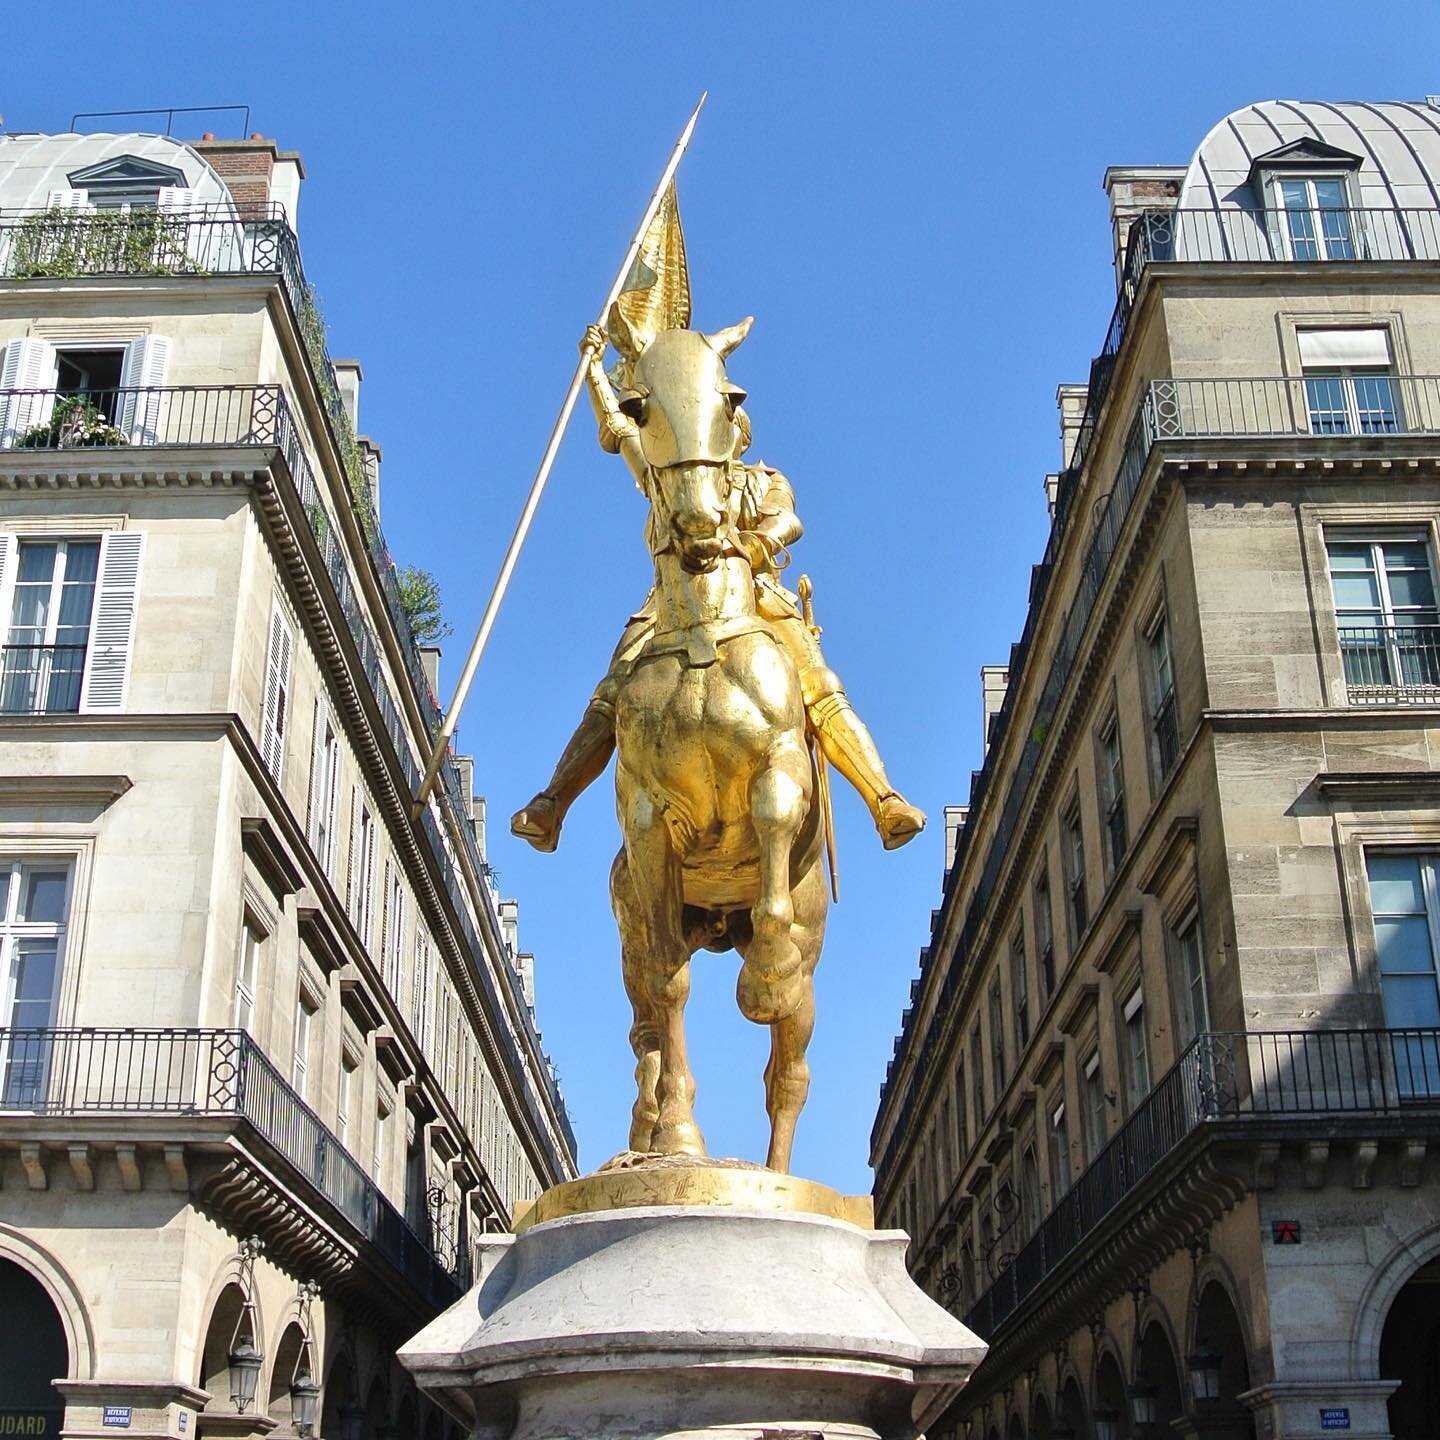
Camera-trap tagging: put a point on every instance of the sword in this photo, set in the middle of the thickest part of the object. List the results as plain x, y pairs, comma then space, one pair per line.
822, 772
552, 448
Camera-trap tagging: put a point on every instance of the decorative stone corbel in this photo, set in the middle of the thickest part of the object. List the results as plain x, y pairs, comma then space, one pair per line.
129, 1163
1362, 1161
1267, 1162
80, 1166
1314, 1157
1412, 1161
32, 1157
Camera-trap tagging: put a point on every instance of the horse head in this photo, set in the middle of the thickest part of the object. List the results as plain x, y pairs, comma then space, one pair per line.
684, 404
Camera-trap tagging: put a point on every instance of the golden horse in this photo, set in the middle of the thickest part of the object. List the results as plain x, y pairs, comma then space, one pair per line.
715, 780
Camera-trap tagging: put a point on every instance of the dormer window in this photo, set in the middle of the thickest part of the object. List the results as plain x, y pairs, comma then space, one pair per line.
124, 182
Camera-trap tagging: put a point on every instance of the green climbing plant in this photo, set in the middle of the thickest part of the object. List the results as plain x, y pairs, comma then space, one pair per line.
61, 244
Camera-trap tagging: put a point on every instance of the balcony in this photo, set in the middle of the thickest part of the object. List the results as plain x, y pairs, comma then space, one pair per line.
1319, 405
259, 416
185, 1074
1391, 664
1251, 1078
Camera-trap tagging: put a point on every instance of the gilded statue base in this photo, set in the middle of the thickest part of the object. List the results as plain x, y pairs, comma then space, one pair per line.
631, 1180
713, 1320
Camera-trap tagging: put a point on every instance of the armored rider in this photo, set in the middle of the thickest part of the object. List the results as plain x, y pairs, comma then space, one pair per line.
766, 526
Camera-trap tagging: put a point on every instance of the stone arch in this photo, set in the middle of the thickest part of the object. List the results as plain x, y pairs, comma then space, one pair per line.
1040, 1422
283, 1363
1410, 1355
1386, 1282
36, 1351
220, 1332
337, 1396
55, 1280
1072, 1409
1161, 1367
1109, 1384
1016, 1428
377, 1408
1213, 1271
1217, 1326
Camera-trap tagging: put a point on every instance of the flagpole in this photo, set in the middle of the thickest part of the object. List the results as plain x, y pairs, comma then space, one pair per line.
547, 460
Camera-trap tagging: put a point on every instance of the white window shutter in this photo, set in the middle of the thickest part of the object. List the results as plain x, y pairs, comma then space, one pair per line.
112, 624
277, 686
144, 367
175, 200
27, 364
312, 792
70, 200
350, 855
7, 581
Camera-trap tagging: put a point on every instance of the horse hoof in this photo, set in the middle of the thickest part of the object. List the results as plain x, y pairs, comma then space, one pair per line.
681, 1138
768, 999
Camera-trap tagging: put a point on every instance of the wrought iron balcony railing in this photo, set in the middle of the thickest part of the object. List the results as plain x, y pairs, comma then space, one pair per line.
1391, 664
1363, 404
1245, 1076
222, 1073
41, 679
259, 415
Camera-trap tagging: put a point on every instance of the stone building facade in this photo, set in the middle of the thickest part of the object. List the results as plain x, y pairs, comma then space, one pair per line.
1161, 1120
268, 1062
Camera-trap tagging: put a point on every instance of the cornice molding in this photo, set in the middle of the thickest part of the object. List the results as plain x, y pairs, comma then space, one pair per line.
101, 790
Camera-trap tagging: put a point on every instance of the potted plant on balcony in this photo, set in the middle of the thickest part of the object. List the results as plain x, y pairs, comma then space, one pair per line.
61, 244
75, 423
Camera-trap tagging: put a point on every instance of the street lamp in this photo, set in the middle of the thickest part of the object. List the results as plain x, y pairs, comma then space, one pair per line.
304, 1400
1107, 1424
1142, 1396
1204, 1367
245, 1363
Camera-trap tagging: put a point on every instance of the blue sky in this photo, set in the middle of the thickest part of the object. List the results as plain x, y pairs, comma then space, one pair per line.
908, 199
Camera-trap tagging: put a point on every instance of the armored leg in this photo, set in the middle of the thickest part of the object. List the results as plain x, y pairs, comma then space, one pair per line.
842, 734
589, 749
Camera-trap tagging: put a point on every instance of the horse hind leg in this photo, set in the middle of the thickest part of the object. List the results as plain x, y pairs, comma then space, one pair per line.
644, 1032
770, 986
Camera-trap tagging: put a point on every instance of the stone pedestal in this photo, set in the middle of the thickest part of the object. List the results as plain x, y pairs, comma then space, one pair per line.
697, 1320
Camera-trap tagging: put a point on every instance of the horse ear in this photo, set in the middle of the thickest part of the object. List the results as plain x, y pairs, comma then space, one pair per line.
725, 342
622, 337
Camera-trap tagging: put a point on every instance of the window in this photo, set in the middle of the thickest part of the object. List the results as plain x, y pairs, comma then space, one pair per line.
1030, 1190
1059, 1153
997, 1038
1092, 1106
1195, 998
1112, 795
275, 712
392, 929
1405, 901
1316, 217
1072, 855
300, 1062
361, 889
48, 626
344, 1098
1164, 725
1386, 615
962, 1101
245, 974
1019, 990
122, 182
1044, 929
380, 1149
421, 992
977, 1076
324, 786
1349, 386
34, 904
1136, 1047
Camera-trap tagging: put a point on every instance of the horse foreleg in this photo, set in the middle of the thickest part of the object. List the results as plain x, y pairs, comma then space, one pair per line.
770, 985
787, 1076
644, 1034
663, 958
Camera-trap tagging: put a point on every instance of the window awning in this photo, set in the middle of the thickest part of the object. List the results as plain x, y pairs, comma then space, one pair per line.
1355, 345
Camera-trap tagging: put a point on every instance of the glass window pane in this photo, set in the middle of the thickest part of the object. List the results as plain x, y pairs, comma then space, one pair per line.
34, 984
1395, 887
42, 900
82, 561
1405, 555
1356, 592
1349, 555
1403, 944
1411, 1002
37, 561
1295, 194
1412, 590
1329, 194
1325, 398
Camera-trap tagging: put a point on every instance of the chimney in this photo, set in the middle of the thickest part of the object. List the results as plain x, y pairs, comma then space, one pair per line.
1071, 402
510, 926
370, 458
525, 967
1052, 490
430, 660
257, 173
1133, 189
477, 819
994, 681
348, 376
955, 818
